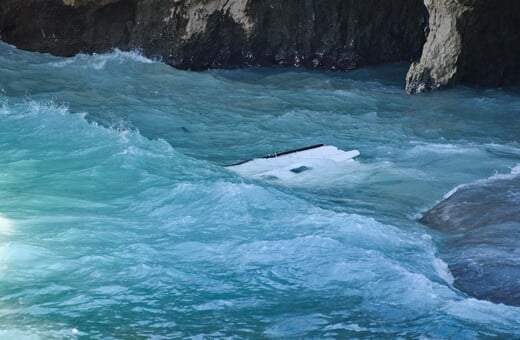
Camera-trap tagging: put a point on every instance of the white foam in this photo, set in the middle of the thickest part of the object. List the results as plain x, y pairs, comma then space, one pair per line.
515, 171
6, 226
62, 63
484, 312
99, 61
454, 190
443, 271
443, 149
43, 107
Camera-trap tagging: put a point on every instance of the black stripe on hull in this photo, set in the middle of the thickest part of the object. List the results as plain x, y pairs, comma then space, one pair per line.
279, 154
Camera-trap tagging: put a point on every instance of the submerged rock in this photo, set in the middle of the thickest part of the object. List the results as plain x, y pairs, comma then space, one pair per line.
469, 41
482, 249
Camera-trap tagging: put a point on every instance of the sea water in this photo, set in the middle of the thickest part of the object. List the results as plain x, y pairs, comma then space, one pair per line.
119, 220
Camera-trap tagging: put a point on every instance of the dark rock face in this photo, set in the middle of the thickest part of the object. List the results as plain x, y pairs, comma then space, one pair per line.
491, 38
340, 34
200, 34
52, 26
481, 223
470, 41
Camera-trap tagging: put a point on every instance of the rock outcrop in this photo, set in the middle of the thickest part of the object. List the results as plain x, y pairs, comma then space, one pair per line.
469, 41
481, 243
200, 34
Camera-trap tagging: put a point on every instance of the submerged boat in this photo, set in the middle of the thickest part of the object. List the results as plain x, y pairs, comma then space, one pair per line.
289, 164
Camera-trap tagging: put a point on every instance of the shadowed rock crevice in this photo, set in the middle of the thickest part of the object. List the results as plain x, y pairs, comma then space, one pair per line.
337, 34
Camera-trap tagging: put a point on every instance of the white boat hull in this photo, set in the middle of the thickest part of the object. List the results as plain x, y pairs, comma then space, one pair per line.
292, 164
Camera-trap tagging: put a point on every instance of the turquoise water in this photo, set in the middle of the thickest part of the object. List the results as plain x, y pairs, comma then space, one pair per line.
117, 219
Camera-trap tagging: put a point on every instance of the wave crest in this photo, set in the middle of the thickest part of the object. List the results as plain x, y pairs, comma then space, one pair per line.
515, 171
99, 61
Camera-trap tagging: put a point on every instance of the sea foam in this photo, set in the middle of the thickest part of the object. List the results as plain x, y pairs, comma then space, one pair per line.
515, 171
98, 61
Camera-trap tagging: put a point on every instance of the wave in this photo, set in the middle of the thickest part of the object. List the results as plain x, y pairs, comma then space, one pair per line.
499, 316
95, 206
69, 148
99, 61
443, 149
515, 172
49, 127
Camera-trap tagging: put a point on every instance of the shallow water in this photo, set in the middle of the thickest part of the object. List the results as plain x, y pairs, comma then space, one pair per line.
118, 220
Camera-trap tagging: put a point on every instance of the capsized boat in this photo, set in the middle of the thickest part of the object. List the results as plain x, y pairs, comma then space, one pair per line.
288, 164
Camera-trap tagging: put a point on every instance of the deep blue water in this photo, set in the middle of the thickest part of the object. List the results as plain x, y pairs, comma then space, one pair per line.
118, 220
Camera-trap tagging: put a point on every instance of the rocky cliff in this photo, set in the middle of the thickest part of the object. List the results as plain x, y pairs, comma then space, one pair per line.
200, 34
469, 41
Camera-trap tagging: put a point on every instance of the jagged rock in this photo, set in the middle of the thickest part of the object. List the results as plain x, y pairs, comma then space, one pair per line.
438, 64
200, 34
469, 41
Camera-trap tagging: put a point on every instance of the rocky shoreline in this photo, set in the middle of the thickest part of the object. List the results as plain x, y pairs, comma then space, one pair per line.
452, 41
